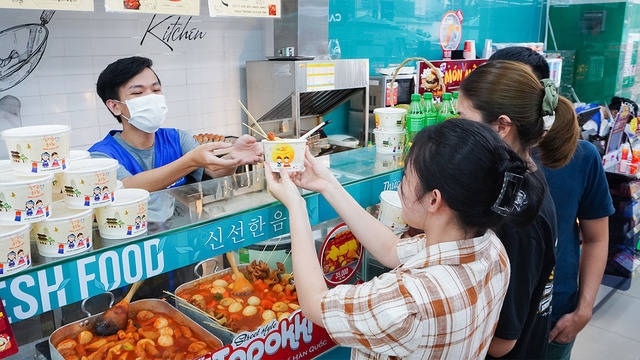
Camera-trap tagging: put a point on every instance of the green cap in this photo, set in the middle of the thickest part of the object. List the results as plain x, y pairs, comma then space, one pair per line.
455, 94
415, 97
428, 95
446, 96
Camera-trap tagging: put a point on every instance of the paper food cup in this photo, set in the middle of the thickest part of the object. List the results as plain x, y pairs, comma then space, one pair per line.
24, 198
90, 183
66, 232
15, 250
38, 149
389, 119
390, 213
58, 188
126, 217
389, 142
285, 153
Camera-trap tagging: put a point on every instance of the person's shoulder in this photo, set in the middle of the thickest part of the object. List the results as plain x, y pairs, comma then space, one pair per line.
587, 149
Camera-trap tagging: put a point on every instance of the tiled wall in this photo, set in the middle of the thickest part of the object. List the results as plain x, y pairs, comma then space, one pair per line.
202, 78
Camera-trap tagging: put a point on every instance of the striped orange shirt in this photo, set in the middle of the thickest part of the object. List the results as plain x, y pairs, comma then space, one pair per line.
443, 302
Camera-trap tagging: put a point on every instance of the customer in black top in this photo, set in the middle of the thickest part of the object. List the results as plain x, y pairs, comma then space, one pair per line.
509, 97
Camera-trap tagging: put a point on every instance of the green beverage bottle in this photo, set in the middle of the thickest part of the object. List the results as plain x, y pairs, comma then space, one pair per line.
446, 109
430, 112
415, 118
454, 102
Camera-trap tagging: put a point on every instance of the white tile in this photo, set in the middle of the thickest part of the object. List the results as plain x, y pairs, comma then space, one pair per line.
54, 103
30, 105
595, 343
203, 78
620, 315
83, 119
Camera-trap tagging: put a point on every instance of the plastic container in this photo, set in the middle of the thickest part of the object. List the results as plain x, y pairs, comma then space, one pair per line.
15, 250
389, 119
126, 216
66, 232
390, 213
285, 153
90, 183
24, 198
389, 142
38, 149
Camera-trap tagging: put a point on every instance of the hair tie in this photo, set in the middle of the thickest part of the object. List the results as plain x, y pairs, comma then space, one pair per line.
511, 198
550, 100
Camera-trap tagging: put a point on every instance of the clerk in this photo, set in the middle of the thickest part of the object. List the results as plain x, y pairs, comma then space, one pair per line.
151, 157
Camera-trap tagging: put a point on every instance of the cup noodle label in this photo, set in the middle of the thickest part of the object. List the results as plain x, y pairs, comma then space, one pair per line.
91, 189
39, 154
26, 203
15, 253
64, 237
121, 221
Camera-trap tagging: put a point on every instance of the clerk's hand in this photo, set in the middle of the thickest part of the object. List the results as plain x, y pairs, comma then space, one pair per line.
315, 177
203, 156
281, 186
247, 150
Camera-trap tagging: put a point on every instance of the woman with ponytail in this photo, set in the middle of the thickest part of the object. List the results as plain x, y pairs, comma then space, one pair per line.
526, 113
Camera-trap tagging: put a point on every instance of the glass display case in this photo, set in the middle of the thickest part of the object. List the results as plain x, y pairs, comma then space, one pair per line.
210, 218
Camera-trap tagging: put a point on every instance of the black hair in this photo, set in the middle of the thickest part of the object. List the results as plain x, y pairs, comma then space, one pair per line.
467, 162
117, 74
617, 101
525, 55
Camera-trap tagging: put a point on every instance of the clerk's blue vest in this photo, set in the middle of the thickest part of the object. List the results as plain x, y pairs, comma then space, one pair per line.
166, 149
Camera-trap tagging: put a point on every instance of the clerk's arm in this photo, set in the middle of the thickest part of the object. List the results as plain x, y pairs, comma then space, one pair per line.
595, 244
161, 177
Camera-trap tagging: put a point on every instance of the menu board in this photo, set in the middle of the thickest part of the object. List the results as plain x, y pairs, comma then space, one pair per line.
173, 7
245, 8
74, 5
452, 72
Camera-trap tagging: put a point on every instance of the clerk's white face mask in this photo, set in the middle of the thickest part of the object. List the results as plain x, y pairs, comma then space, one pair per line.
147, 112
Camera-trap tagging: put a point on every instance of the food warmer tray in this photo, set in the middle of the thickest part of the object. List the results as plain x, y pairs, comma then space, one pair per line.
155, 305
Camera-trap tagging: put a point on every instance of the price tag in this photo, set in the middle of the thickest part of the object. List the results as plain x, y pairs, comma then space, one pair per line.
8, 344
340, 256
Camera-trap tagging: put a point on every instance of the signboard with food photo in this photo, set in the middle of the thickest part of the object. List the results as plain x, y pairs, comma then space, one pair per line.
452, 71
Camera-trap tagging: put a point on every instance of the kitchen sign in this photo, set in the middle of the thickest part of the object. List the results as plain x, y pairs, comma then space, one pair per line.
171, 7
245, 8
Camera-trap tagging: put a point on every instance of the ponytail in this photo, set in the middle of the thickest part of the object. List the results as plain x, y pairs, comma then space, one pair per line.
559, 143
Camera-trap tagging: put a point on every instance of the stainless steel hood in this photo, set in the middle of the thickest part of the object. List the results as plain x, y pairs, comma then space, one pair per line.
304, 25
304, 91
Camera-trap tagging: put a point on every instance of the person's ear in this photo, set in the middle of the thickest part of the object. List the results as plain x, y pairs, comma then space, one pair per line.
433, 200
504, 126
114, 107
